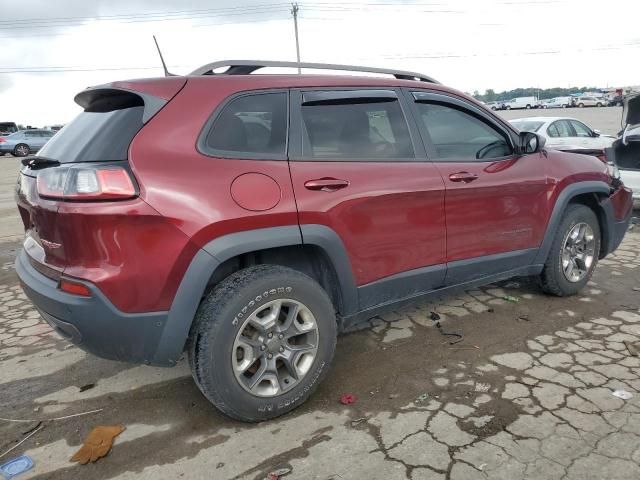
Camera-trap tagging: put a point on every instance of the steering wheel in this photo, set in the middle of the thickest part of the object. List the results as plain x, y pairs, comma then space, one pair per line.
487, 148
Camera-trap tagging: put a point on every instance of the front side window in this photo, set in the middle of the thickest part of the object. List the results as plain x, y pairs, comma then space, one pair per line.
356, 129
253, 124
457, 134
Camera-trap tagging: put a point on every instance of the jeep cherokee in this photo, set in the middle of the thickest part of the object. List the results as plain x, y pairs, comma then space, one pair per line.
248, 219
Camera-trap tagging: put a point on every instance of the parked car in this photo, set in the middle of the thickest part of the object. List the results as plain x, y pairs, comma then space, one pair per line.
568, 134
24, 142
616, 101
252, 255
521, 102
585, 101
495, 105
7, 128
625, 151
557, 102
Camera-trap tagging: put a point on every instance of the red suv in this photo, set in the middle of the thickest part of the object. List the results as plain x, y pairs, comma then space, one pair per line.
248, 219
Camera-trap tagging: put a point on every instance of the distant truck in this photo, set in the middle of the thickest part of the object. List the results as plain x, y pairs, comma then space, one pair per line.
7, 128
521, 102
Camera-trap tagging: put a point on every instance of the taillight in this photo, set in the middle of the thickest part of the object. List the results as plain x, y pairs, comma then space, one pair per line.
86, 183
2, 140
612, 168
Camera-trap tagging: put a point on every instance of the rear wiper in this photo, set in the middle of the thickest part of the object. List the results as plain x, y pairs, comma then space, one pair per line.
35, 161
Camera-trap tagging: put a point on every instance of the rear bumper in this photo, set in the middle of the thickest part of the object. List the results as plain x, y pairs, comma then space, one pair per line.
93, 323
620, 202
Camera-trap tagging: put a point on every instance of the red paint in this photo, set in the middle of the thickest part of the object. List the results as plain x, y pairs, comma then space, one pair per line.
256, 192
391, 217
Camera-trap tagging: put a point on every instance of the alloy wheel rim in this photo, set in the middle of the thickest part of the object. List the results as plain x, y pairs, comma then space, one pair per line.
578, 252
22, 150
275, 348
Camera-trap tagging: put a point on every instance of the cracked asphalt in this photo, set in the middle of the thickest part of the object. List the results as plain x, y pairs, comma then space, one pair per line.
526, 393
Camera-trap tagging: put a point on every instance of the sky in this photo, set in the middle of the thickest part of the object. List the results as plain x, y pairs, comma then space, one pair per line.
51, 50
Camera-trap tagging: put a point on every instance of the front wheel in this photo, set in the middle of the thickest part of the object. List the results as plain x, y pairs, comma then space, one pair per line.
574, 252
262, 341
581, 105
21, 150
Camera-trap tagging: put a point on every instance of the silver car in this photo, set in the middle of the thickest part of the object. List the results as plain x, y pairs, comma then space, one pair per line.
25, 142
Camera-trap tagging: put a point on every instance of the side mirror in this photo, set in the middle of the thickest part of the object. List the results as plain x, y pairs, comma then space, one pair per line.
531, 142
596, 133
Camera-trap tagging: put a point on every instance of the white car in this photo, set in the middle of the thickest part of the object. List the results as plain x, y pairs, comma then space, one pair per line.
564, 133
557, 102
586, 101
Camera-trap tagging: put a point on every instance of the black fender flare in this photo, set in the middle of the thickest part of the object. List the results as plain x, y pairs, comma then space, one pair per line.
571, 191
213, 254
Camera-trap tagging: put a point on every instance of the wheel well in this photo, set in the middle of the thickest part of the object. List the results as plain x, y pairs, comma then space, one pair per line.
308, 259
592, 200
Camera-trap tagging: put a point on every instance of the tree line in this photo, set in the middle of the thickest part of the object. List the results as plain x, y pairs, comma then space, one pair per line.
542, 93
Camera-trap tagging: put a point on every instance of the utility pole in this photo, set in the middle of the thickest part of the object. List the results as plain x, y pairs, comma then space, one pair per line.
294, 12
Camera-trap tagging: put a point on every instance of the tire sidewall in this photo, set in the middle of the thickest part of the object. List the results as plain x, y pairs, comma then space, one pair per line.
17, 153
217, 353
575, 216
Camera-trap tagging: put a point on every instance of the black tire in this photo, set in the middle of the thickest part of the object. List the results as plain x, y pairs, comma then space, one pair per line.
507, 108
552, 278
21, 150
528, 107
581, 105
218, 323
598, 104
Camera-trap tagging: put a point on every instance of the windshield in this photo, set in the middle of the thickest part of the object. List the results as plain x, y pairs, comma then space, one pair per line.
527, 125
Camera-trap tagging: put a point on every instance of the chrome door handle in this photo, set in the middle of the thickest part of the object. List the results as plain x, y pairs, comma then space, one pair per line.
465, 177
326, 184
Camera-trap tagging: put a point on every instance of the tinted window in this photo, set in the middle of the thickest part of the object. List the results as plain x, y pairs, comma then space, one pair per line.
561, 128
251, 124
356, 129
458, 134
95, 136
32, 133
580, 129
527, 125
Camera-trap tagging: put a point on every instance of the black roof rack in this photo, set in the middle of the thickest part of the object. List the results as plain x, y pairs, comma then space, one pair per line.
246, 67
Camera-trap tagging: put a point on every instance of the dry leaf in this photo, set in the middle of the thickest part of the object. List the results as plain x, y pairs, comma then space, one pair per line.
97, 444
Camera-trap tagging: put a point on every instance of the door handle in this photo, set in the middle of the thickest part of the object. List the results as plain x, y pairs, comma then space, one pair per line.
326, 184
465, 177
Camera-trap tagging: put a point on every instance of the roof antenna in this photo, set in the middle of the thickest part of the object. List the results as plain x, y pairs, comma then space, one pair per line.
164, 65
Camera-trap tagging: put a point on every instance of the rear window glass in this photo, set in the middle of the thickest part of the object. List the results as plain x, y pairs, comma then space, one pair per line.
95, 136
251, 125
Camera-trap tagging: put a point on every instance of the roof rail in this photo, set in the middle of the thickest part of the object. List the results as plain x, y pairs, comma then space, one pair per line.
246, 67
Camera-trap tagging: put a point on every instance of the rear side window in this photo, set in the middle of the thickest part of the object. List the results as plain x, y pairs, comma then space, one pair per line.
251, 126
560, 128
95, 136
356, 129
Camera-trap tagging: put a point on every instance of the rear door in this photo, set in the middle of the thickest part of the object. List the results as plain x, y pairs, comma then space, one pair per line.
357, 169
496, 203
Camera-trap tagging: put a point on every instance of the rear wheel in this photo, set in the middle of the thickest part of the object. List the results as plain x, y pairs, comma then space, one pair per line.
263, 340
528, 107
598, 104
580, 105
21, 150
574, 252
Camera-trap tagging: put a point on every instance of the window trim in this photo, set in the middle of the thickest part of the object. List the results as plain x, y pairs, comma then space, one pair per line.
457, 103
204, 149
571, 120
299, 136
569, 126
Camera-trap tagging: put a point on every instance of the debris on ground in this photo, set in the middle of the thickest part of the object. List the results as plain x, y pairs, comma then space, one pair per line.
279, 473
358, 421
31, 432
16, 420
15, 467
636, 289
97, 444
524, 318
453, 337
634, 348
482, 387
422, 398
511, 285
393, 395
86, 387
511, 299
348, 399
623, 394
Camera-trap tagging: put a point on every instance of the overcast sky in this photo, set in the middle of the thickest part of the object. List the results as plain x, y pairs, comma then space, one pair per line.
468, 44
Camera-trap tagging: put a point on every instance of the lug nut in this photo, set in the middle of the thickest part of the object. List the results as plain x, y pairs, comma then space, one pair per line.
269, 335
281, 336
263, 347
281, 349
269, 356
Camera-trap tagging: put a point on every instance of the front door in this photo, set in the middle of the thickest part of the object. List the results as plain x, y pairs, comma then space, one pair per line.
358, 169
496, 201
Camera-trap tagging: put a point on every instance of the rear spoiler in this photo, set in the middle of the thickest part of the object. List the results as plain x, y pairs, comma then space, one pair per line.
107, 99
